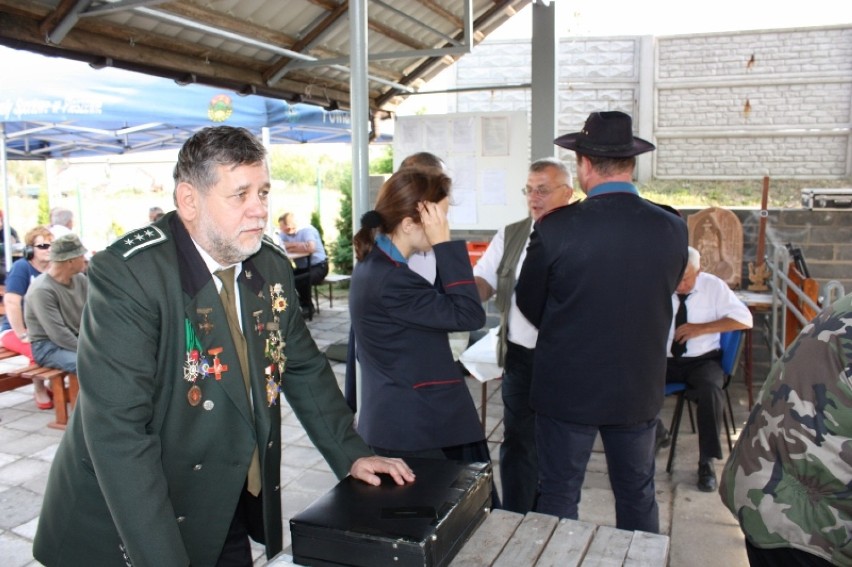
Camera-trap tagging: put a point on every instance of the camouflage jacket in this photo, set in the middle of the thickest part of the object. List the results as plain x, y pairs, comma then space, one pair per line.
789, 478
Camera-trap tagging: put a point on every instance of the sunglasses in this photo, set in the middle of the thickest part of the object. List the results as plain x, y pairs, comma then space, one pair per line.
42, 246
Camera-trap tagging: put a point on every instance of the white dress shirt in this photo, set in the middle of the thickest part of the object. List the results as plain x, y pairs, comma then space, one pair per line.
710, 300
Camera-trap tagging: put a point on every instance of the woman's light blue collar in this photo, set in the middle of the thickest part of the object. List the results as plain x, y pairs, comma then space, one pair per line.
385, 245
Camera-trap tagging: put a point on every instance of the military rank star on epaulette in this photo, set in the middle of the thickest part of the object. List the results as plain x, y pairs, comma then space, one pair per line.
138, 239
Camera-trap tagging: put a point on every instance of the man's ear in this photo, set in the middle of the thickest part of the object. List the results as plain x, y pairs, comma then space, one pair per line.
186, 200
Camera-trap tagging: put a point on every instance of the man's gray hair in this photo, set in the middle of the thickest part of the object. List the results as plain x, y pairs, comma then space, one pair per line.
694, 259
61, 216
214, 146
543, 163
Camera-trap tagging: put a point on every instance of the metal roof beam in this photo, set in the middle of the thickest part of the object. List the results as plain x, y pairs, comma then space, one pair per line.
459, 47
259, 44
120, 6
402, 14
69, 15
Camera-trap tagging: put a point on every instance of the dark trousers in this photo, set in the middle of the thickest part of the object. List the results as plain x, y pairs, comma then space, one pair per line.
305, 278
782, 557
563, 452
704, 377
518, 458
247, 522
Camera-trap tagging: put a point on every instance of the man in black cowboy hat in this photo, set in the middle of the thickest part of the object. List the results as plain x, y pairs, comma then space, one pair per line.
597, 282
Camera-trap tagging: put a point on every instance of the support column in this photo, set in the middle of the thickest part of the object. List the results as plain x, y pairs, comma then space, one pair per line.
360, 99
644, 119
544, 89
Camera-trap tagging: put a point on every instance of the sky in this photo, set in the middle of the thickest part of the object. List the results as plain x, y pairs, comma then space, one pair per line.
671, 17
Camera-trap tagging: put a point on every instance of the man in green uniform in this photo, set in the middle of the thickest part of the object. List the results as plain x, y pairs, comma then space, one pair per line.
172, 455
787, 480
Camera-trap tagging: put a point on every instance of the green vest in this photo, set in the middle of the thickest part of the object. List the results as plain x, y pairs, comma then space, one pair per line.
514, 239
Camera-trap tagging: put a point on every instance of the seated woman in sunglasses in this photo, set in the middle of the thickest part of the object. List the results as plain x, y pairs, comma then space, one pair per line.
13, 332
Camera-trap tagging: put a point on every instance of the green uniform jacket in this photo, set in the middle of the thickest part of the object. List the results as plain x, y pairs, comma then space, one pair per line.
788, 478
144, 477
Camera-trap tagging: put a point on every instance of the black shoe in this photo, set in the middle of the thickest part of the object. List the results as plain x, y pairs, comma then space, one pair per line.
308, 312
706, 477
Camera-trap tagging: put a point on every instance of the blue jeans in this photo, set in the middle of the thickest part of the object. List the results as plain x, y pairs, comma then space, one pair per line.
47, 353
518, 458
563, 452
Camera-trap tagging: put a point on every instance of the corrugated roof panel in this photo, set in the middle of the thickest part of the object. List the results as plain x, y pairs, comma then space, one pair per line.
235, 38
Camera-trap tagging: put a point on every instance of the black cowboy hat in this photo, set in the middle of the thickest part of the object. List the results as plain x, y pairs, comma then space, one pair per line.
606, 134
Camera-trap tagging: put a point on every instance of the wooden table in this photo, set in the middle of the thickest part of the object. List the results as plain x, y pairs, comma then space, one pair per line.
508, 539
755, 301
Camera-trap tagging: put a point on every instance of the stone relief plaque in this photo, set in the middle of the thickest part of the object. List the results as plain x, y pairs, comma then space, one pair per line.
718, 235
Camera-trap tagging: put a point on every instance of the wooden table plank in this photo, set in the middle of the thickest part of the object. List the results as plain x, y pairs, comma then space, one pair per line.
568, 544
488, 540
647, 550
609, 548
528, 541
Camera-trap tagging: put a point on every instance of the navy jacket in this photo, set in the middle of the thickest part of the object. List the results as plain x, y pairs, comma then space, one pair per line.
597, 282
414, 396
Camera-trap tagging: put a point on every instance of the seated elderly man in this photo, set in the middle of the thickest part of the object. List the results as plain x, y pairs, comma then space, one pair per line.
704, 306
54, 305
311, 268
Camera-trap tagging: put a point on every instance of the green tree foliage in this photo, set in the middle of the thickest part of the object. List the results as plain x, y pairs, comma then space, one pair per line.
317, 224
383, 163
294, 169
25, 173
340, 250
43, 209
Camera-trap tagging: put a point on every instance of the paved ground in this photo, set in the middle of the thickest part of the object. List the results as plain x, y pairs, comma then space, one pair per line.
703, 533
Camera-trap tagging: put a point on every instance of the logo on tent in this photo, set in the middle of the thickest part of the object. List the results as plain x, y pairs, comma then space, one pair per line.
220, 108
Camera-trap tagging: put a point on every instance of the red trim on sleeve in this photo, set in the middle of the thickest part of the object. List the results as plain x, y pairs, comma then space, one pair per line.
462, 282
435, 383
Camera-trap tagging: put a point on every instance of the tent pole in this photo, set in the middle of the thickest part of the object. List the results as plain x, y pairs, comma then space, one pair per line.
7, 231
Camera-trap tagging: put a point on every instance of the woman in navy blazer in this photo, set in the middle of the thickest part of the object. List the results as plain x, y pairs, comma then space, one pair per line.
414, 400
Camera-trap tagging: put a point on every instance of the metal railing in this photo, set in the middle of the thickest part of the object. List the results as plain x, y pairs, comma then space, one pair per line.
781, 287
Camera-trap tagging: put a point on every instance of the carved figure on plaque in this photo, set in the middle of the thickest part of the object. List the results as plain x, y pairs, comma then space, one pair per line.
718, 235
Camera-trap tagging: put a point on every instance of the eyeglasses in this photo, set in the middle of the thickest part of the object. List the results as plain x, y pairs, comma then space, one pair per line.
540, 191
43, 246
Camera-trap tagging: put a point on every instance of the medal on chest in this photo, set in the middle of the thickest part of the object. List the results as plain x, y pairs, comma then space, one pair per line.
197, 366
274, 348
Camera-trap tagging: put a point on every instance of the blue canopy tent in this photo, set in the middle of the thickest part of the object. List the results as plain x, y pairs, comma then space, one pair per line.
52, 108
57, 108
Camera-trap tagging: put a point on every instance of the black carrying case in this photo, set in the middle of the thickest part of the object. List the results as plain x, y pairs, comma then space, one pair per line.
420, 524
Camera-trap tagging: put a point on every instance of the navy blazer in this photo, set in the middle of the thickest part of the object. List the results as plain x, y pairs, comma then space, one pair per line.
414, 396
597, 282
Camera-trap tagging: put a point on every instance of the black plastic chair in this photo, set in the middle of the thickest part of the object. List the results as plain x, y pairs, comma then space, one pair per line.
731, 345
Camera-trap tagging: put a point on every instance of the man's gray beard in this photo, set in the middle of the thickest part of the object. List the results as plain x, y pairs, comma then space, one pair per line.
231, 254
